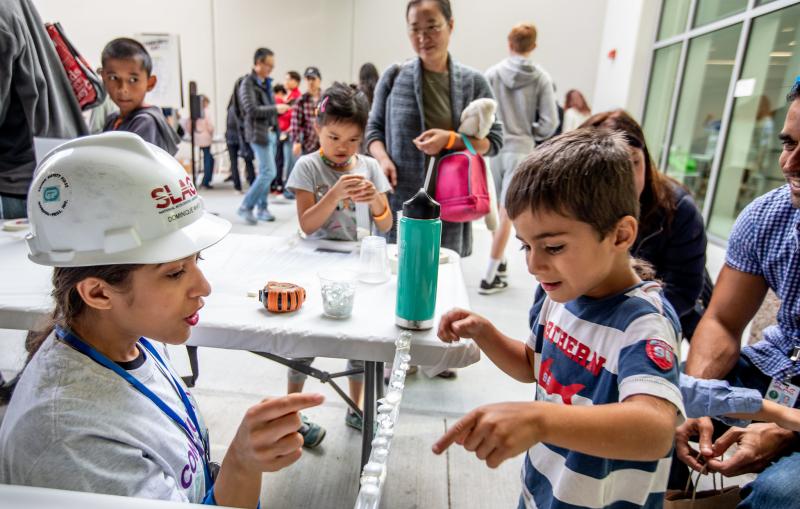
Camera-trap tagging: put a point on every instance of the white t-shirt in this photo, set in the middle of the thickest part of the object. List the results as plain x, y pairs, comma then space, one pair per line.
73, 424
572, 120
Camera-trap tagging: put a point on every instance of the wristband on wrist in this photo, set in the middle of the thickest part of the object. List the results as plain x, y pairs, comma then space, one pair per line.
451, 141
383, 215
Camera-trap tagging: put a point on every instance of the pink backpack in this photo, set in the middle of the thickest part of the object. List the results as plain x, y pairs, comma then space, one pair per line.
461, 186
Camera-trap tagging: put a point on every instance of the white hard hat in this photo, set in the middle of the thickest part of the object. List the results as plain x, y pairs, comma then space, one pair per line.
115, 199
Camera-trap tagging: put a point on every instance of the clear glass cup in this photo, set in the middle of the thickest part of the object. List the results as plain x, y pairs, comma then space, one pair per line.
338, 290
374, 262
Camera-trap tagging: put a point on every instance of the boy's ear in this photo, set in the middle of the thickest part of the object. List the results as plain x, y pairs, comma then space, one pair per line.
151, 82
95, 292
626, 231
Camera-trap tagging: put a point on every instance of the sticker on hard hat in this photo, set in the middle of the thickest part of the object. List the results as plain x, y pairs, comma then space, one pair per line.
54, 193
170, 198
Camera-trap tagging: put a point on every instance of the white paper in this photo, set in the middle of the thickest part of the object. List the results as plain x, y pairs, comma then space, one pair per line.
744, 87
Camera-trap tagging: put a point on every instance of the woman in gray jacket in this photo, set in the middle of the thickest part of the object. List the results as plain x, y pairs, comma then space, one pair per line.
418, 105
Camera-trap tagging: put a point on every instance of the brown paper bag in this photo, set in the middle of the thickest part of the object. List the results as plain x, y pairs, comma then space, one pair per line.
722, 498
725, 498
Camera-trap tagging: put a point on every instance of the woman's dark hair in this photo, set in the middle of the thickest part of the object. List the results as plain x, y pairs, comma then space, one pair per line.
278, 89
367, 80
342, 103
444, 7
124, 48
658, 194
68, 303
570, 103
295, 76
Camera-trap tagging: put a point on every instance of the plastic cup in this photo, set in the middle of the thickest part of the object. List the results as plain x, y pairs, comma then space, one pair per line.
374, 264
338, 292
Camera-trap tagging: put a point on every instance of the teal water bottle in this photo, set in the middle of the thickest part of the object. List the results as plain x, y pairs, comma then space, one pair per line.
418, 240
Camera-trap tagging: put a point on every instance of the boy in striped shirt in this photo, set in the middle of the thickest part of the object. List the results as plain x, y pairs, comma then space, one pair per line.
603, 350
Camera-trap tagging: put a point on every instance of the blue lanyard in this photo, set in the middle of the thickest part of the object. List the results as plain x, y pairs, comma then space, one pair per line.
79, 345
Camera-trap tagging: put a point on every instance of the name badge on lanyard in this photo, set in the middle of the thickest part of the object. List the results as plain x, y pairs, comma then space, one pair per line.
782, 393
201, 444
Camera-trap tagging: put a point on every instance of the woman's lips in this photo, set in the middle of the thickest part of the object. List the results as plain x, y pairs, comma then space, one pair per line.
192, 319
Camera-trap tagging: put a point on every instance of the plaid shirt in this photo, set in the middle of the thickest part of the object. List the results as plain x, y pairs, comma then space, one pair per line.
765, 241
301, 128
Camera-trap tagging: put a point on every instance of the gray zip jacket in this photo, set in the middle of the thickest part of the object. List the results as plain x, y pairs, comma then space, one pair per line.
522, 88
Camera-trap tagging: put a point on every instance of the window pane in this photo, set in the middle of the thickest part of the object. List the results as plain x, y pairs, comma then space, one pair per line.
750, 161
712, 10
673, 18
706, 78
659, 98
762, 2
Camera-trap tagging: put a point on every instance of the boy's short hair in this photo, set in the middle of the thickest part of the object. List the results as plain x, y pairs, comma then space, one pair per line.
522, 38
261, 54
342, 103
124, 48
278, 89
295, 76
585, 174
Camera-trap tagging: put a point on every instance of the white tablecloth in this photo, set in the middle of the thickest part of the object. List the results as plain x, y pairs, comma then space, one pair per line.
231, 319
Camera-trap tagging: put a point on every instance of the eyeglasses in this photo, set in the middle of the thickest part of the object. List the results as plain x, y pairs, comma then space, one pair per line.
428, 31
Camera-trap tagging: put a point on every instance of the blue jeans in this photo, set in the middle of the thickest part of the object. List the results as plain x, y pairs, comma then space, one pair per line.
265, 156
288, 160
13, 208
775, 487
208, 165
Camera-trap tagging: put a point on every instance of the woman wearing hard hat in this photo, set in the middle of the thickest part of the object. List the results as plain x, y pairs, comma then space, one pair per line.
98, 407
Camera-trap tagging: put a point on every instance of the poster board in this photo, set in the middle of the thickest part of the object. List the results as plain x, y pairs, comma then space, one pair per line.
165, 51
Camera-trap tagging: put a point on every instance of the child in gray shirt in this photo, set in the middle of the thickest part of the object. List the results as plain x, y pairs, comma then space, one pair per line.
330, 186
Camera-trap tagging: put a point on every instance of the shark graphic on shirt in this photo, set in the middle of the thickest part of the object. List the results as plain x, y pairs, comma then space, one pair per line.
549, 383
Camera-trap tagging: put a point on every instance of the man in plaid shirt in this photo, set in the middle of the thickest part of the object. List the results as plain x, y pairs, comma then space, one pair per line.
304, 136
763, 253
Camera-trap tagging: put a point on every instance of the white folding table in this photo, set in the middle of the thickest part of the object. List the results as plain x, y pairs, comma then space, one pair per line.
240, 265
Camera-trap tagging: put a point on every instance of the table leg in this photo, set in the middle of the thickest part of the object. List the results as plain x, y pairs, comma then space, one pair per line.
369, 411
378, 380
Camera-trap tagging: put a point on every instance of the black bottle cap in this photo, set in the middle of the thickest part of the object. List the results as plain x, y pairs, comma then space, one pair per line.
421, 206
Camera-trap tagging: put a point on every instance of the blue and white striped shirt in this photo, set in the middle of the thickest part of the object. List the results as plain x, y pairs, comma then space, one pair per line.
765, 241
595, 352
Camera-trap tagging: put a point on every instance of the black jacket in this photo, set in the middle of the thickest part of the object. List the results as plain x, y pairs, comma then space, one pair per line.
258, 109
677, 251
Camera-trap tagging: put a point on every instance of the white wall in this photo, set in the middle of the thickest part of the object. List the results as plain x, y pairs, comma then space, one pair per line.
629, 27
218, 37
569, 35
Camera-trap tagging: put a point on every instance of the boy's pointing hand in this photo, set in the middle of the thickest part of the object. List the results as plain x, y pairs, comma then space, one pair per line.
495, 432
